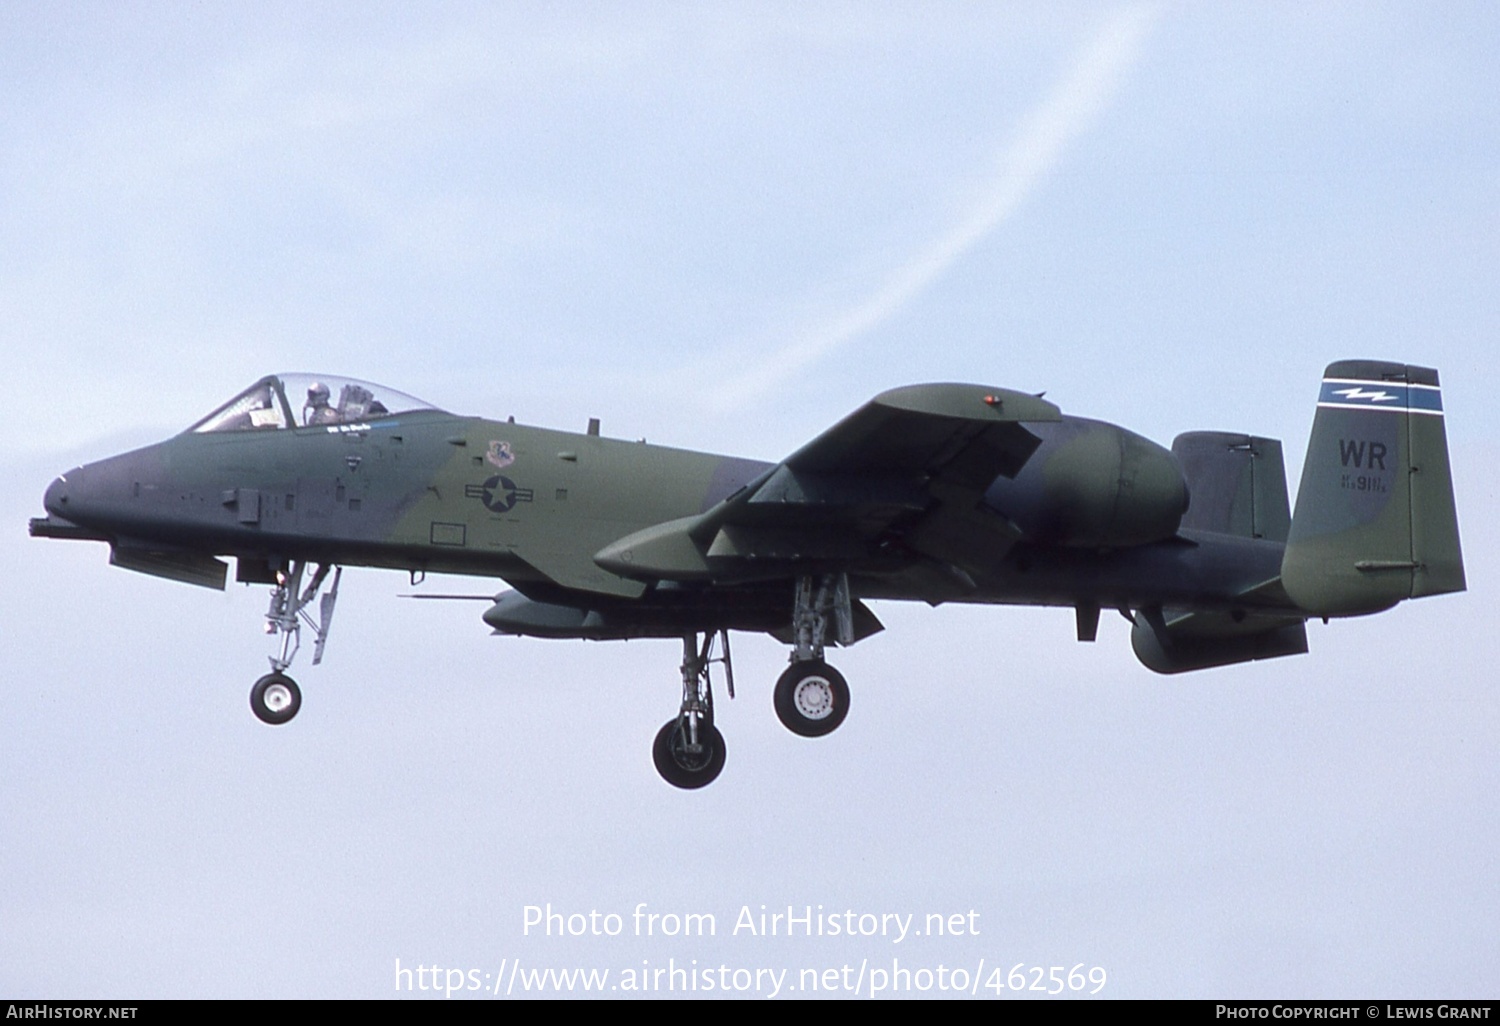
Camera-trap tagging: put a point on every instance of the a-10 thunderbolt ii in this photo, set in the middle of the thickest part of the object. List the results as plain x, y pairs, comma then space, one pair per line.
937, 493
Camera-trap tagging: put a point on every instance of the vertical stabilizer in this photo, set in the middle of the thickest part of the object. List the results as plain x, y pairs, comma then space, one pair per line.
1236, 484
1375, 521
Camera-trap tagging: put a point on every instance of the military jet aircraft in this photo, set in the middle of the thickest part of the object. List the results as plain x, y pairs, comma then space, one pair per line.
935, 493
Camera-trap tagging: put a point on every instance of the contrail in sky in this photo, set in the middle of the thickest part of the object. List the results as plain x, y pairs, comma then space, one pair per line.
1039, 142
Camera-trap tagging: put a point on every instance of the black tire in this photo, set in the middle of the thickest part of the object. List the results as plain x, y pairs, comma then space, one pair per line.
812, 699
682, 768
275, 698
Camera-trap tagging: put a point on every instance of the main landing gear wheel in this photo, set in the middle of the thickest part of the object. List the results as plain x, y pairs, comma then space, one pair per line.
275, 698
812, 698
682, 767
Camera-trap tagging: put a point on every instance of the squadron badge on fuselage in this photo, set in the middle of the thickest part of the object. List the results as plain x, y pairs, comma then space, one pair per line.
500, 455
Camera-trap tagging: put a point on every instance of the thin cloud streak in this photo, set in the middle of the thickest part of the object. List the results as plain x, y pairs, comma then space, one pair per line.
1038, 145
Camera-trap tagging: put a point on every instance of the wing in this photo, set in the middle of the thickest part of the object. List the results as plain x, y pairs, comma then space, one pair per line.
900, 479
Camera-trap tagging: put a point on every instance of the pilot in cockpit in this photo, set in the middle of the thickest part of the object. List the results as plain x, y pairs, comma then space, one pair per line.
317, 409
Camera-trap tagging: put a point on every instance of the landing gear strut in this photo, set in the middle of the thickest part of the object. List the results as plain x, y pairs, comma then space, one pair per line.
275, 698
689, 750
812, 697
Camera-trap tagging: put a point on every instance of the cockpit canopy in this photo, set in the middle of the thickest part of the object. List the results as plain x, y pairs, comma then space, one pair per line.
307, 400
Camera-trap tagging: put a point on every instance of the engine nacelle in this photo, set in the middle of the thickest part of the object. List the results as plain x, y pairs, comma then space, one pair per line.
1093, 485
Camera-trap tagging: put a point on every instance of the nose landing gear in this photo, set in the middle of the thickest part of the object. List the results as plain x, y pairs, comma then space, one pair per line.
275, 698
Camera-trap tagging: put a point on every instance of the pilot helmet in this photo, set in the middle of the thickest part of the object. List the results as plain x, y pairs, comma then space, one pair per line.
317, 393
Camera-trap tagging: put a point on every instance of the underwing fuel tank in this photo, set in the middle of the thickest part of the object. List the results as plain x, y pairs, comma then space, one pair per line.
1093, 485
515, 614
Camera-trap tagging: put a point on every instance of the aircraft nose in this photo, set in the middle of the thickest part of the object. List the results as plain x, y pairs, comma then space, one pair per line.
96, 494
55, 500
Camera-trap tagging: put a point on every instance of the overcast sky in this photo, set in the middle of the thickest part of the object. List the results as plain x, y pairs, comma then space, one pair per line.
724, 227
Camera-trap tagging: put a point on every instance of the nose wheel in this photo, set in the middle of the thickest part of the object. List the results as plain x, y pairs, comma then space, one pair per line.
275, 698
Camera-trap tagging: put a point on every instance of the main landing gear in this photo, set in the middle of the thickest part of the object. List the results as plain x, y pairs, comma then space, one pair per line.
275, 698
689, 750
811, 697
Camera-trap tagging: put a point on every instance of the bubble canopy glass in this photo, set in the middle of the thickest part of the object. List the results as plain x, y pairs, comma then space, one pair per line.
280, 401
